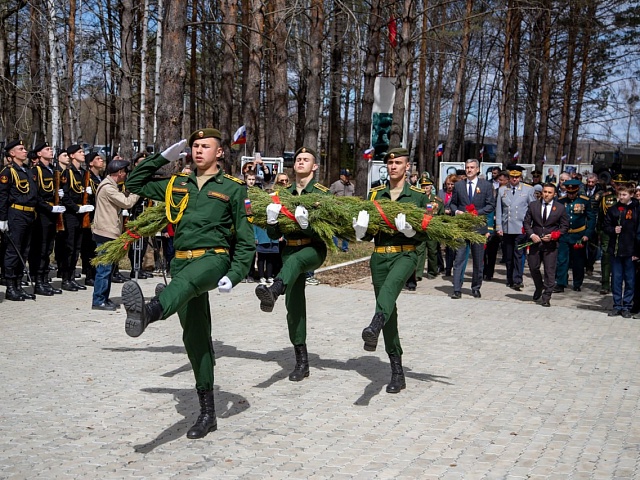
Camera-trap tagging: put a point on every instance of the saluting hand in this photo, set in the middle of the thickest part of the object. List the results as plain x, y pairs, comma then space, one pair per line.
175, 151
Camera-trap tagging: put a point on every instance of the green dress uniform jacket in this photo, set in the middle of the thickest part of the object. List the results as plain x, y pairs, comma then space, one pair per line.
204, 220
429, 248
390, 271
304, 252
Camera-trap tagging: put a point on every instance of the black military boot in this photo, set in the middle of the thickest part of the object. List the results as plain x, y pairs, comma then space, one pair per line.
67, 284
48, 286
397, 382
21, 291
139, 314
12, 291
41, 287
77, 285
207, 419
301, 370
269, 295
90, 279
372, 332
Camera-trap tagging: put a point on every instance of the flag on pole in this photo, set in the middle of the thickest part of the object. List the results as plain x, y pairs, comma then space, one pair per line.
393, 32
579, 159
516, 155
240, 137
368, 153
482, 152
544, 159
439, 150
564, 157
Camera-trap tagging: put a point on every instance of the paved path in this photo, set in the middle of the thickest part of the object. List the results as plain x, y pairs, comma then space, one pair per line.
496, 388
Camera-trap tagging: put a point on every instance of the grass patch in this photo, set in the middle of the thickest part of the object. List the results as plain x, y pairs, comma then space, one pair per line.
356, 250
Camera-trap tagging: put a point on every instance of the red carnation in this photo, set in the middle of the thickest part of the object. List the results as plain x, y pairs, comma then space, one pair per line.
471, 208
621, 209
555, 235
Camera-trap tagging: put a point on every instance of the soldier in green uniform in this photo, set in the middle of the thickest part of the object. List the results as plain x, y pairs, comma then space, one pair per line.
428, 250
304, 252
603, 200
572, 246
204, 206
393, 260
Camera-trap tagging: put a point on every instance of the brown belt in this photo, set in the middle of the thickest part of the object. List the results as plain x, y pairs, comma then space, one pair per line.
297, 243
579, 229
395, 249
198, 252
23, 208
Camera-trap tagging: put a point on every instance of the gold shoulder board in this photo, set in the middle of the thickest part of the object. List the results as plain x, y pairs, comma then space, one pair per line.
235, 179
320, 187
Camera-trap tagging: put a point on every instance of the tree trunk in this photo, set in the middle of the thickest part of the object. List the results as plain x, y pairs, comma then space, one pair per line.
567, 89
193, 71
435, 92
278, 119
337, 46
126, 58
54, 80
545, 80
314, 82
37, 130
533, 87
142, 135
505, 105
156, 92
229, 10
69, 134
251, 101
422, 91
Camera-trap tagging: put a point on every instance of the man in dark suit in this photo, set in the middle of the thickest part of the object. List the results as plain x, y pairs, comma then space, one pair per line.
544, 217
479, 193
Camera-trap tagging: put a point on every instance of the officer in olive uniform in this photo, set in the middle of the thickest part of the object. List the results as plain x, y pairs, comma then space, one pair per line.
429, 249
73, 187
18, 201
512, 203
572, 246
393, 260
304, 252
205, 206
604, 200
44, 228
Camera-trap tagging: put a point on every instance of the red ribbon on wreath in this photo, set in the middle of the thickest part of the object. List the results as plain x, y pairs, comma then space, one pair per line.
384, 217
425, 221
133, 236
284, 210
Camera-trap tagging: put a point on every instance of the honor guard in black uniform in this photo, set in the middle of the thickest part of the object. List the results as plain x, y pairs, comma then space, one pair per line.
49, 217
60, 244
18, 200
73, 187
95, 165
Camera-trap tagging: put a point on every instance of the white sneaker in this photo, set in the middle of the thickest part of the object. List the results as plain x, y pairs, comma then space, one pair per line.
312, 281
263, 281
270, 281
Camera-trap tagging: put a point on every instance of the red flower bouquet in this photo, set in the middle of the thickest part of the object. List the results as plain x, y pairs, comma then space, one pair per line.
471, 208
555, 236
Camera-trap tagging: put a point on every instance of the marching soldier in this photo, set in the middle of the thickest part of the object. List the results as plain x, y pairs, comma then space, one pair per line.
512, 203
304, 252
572, 246
393, 260
73, 187
18, 201
603, 201
204, 206
44, 229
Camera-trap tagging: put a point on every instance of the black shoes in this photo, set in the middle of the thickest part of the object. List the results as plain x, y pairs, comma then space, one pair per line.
621, 313
206, 421
69, 286
139, 314
456, 295
90, 282
410, 286
517, 286
545, 304
110, 307
576, 289
12, 291
558, 289
77, 285
397, 382
117, 278
626, 314
371, 333
269, 295
536, 295
476, 294
301, 370
614, 313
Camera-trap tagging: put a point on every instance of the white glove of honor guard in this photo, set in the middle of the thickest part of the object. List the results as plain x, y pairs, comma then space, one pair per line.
175, 151
302, 217
86, 209
125, 213
89, 190
361, 224
273, 210
403, 226
60, 193
225, 285
58, 209
4, 226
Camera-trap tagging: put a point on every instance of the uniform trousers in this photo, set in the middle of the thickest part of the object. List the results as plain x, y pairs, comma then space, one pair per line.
513, 257
73, 241
605, 262
427, 255
20, 226
540, 255
567, 255
188, 295
42, 238
389, 272
296, 261
491, 255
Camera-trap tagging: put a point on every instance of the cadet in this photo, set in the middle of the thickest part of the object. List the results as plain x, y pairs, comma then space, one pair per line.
603, 200
572, 246
428, 250
393, 260
18, 200
512, 202
304, 252
204, 206
95, 165
44, 228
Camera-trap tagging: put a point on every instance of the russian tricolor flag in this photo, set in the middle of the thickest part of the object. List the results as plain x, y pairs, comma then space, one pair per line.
439, 150
240, 137
368, 153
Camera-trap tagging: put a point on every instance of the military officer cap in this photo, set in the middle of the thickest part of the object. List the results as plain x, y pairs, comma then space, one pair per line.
515, 170
618, 179
395, 153
116, 165
71, 149
205, 133
424, 180
346, 172
40, 146
91, 156
12, 144
305, 150
572, 185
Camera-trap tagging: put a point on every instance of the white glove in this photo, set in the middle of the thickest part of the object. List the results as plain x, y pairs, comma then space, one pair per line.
361, 224
60, 193
58, 209
4, 226
273, 210
175, 151
125, 213
302, 217
88, 190
225, 285
403, 226
86, 209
